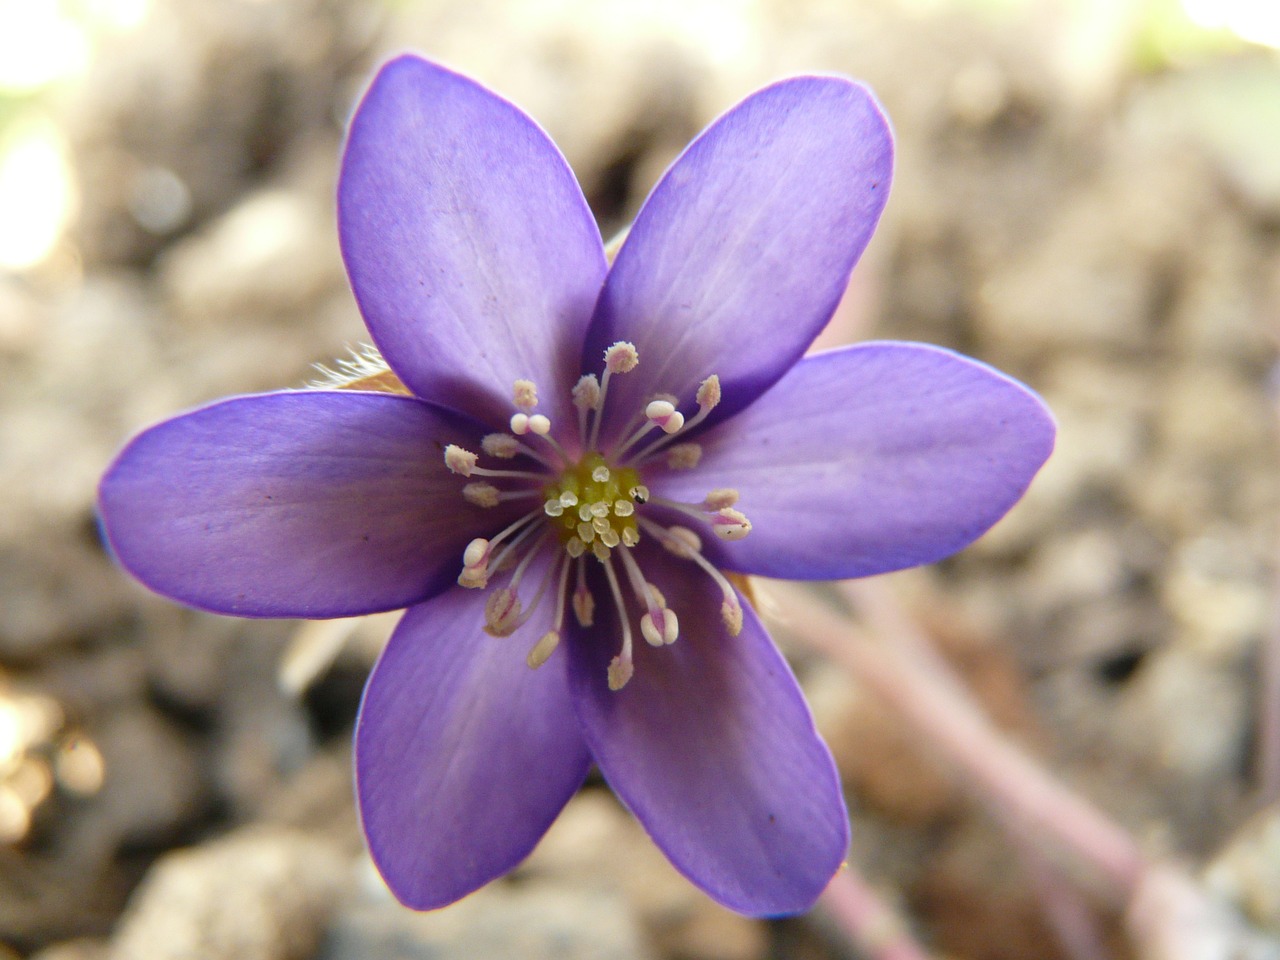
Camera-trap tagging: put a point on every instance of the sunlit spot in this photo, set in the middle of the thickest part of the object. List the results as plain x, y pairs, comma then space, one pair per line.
1248, 19
36, 193
39, 42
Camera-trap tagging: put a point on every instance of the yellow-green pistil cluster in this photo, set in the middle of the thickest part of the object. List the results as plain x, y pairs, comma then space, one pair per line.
592, 506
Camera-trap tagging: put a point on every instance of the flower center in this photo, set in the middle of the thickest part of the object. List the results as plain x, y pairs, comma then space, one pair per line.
591, 505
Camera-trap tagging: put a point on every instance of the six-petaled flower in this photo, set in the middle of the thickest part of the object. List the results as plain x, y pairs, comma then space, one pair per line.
581, 453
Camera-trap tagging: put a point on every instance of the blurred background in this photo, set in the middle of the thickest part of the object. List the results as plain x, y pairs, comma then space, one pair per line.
1087, 196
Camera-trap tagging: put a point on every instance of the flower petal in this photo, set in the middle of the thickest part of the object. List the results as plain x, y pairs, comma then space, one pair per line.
712, 747
744, 248
871, 458
470, 248
464, 755
307, 504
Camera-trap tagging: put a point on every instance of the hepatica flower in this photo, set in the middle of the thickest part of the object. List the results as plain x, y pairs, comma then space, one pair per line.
579, 455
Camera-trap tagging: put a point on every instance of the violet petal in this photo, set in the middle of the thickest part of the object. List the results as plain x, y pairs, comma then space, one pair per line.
304, 504
712, 746
471, 250
741, 253
871, 458
464, 755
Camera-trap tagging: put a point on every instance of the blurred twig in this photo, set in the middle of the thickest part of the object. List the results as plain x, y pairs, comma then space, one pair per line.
1167, 915
867, 920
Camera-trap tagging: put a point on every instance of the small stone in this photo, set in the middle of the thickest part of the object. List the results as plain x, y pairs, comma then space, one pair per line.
258, 894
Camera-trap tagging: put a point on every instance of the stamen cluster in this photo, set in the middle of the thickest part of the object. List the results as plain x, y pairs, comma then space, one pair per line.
591, 507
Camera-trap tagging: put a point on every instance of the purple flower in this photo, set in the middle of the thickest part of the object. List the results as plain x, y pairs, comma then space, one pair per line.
576, 465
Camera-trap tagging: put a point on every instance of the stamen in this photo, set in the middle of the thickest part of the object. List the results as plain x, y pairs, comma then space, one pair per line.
497, 564
519, 424
658, 625
475, 563
481, 494
584, 604
459, 460
501, 445
543, 649
619, 358
501, 612
622, 357
658, 635
538, 594
525, 395
720, 498
665, 415
504, 446
621, 667
684, 456
684, 543
708, 397
730, 524
586, 396
586, 393
540, 424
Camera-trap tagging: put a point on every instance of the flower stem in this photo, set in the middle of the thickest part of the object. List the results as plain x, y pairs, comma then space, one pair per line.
911, 678
867, 920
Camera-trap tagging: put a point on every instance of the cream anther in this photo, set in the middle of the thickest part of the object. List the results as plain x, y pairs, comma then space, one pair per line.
459, 460
586, 393
575, 547
525, 395
720, 498
630, 536
600, 474
584, 606
553, 508
731, 614
586, 532
600, 508
660, 633
601, 550
639, 493
539, 425
664, 414
609, 537
500, 445
584, 512
621, 357
684, 456
682, 541
569, 498
476, 553
600, 524
709, 393
473, 578
519, 424
543, 649
480, 494
620, 672
623, 508
730, 524
501, 612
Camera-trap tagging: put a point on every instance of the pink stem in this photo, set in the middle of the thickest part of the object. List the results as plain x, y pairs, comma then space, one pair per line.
867, 921
918, 686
